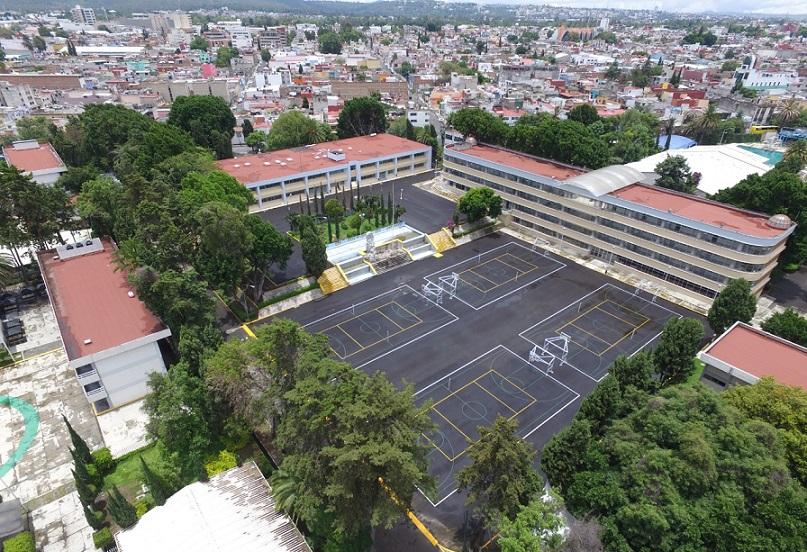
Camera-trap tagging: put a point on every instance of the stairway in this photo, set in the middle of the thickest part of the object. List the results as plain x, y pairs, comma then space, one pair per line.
331, 280
442, 240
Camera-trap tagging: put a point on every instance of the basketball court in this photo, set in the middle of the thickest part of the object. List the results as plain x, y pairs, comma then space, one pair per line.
498, 383
487, 277
378, 326
590, 333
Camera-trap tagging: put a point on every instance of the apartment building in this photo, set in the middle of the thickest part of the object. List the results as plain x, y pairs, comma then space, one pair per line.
285, 177
83, 15
681, 241
111, 338
273, 38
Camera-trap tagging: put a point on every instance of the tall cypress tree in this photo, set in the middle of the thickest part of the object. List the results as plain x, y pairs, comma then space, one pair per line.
121, 509
79, 445
93, 519
87, 492
157, 487
390, 211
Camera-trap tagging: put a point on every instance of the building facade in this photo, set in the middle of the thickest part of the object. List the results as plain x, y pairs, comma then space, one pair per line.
39, 161
273, 38
83, 15
286, 177
690, 244
111, 338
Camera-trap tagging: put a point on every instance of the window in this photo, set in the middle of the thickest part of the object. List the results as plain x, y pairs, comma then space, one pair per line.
83, 370
90, 387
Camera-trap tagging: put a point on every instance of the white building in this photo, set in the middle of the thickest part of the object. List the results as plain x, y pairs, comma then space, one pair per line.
419, 117
40, 161
241, 38
17, 95
749, 77
83, 15
111, 338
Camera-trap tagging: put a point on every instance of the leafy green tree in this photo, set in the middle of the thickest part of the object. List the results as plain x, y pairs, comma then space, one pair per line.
698, 124
405, 69
79, 444
121, 509
314, 253
613, 72
39, 44
158, 488
584, 113
537, 527
293, 128
500, 477
224, 55
207, 119
257, 141
636, 370
402, 127
734, 303
183, 415
266, 55
341, 459
37, 127
562, 457
330, 43
224, 243
268, 248
199, 43
87, 492
360, 117
788, 325
674, 356
75, 177
477, 203
674, 174
480, 124
602, 405
196, 343
94, 519
782, 406
198, 189
335, 212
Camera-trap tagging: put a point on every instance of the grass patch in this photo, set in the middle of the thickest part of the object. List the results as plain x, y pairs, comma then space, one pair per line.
345, 230
127, 470
287, 295
695, 376
477, 229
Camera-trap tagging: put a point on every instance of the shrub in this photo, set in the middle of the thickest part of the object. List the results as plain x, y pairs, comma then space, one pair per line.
103, 539
103, 461
224, 461
21, 542
143, 505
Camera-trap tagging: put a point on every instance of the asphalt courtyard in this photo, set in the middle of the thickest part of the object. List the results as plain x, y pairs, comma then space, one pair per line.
485, 352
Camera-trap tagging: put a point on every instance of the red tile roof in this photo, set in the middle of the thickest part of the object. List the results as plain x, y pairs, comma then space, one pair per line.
287, 162
694, 208
89, 294
522, 162
34, 159
762, 354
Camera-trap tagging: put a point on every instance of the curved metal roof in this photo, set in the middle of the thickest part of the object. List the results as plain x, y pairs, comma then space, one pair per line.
605, 180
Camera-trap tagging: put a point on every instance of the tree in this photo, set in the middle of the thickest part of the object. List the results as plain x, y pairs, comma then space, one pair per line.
788, 111
636, 370
267, 247
674, 174
121, 509
330, 43
246, 127
788, 325
314, 253
199, 43
257, 141
209, 121
477, 203
266, 55
782, 406
734, 303
537, 527
224, 56
797, 152
334, 211
341, 460
360, 117
94, 519
223, 244
39, 43
178, 298
292, 129
75, 177
87, 492
402, 127
36, 127
675, 353
584, 113
158, 489
699, 123
405, 69
80, 446
183, 416
500, 477
562, 457
480, 124
613, 71
602, 405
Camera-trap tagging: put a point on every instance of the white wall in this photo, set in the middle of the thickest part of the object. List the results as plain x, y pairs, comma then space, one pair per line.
125, 375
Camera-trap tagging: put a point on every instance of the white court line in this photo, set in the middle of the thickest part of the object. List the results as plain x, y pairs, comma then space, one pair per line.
385, 353
478, 256
530, 432
580, 300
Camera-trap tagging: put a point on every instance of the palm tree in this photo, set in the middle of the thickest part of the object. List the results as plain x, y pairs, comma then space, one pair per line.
700, 123
797, 150
284, 489
789, 111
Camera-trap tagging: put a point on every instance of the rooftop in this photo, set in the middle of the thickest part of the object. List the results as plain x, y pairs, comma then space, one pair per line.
90, 296
283, 163
235, 510
761, 354
31, 156
520, 161
701, 210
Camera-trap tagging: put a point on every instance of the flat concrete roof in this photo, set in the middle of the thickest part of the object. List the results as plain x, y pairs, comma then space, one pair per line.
702, 210
90, 296
761, 354
314, 158
521, 162
33, 159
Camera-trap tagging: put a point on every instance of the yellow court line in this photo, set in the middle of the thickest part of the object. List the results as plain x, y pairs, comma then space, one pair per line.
415, 316
515, 267
643, 317
393, 321
579, 316
595, 336
507, 406
248, 331
623, 338
344, 331
384, 338
495, 285
580, 344
438, 448
451, 423
508, 380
